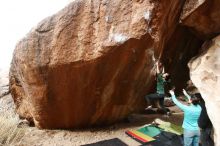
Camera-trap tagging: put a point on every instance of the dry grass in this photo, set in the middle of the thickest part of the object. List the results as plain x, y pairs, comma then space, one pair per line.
10, 133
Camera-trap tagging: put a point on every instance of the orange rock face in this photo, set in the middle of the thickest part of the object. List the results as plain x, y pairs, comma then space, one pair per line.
92, 62
202, 16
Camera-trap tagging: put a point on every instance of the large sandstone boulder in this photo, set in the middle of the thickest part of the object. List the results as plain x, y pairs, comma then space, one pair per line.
93, 62
202, 16
205, 74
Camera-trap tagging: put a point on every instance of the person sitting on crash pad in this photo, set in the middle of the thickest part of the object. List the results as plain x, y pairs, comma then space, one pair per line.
158, 97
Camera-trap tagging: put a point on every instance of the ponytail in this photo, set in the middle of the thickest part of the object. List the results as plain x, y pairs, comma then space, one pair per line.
196, 98
195, 101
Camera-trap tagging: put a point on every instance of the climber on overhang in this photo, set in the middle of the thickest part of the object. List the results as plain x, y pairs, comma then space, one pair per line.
158, 97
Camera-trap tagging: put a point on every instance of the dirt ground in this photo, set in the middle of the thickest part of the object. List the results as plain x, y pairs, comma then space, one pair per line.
36, 137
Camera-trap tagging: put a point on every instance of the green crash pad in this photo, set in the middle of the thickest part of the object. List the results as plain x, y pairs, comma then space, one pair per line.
157, 132
171, 128
150, 130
